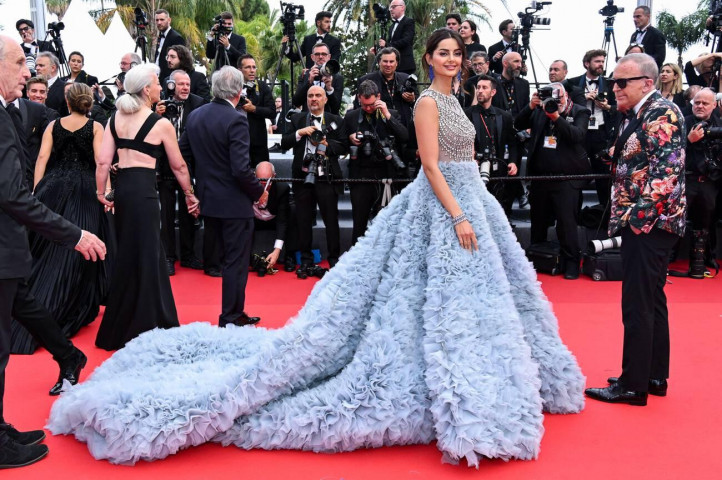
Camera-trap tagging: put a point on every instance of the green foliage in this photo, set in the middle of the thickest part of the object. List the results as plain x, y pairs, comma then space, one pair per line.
684, 33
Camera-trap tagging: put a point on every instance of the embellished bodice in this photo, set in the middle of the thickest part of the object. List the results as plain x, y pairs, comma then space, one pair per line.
456, 132
73, 151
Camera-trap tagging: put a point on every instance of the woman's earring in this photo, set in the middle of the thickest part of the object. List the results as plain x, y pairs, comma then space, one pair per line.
431, 73
458, 77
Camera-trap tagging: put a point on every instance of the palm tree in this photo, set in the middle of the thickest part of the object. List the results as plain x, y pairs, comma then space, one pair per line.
684, 33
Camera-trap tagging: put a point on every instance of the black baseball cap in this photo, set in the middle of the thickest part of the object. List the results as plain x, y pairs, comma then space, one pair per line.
29, 23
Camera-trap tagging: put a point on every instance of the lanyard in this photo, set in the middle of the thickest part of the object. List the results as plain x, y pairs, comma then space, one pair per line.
485, 127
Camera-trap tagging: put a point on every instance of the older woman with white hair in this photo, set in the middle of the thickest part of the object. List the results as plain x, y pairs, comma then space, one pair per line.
140, 296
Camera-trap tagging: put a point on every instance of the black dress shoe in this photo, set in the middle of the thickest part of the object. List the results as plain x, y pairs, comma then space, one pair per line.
23, 438
246, 320
658, 388
289, 264
193, 263
170, 266
572, 270
14, 454
213, 272
617, 394
69, 370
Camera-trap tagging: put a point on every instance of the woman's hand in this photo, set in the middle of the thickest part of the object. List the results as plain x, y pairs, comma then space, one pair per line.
466, 235
194, 205
109, 206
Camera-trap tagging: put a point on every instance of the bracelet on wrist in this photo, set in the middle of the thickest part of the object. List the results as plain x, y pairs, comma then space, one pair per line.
458, 219
189, 192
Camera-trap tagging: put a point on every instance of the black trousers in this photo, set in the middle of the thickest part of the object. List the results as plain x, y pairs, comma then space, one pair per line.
236, 235
701, 201
258, 154
595, 142
324, 195
17, 302
645, 353
169, 192
212, 249
365, 204
503, 194
560, 201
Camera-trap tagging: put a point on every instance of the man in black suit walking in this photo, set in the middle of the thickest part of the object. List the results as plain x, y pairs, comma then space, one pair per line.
653, 40
504, 46
166, 37
323, 26
401, 36
48, 65
258, 105
225, 48
18, 210
216, 138
333, 85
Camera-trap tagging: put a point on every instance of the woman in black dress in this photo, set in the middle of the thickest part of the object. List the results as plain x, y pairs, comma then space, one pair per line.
70, 288
467, 30
140, 296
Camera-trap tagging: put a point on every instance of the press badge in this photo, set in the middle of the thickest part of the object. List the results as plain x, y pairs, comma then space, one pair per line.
593, 124
550, 142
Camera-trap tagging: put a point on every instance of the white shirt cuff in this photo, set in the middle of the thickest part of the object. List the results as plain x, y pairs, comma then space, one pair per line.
82, 234
278, 244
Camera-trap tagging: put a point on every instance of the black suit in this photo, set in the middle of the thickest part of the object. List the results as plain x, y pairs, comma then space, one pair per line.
83, 77
496, 66
56, 98
403, 41
556, 199
278, 205
393, 99
511, 96
323, 193
500, 125
200, 86
333, 43
169, 192
171, 38
216, 137
236, 48
262, 98
35, 119
18, 210
333, 105
654, 44
42, 47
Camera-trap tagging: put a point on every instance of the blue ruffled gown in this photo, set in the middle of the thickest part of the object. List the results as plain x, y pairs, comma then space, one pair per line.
408, 339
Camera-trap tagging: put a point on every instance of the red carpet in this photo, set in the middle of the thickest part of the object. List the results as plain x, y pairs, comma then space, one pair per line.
679, 436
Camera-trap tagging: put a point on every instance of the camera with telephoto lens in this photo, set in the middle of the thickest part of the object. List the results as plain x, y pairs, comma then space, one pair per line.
528, 18
596, 246
289, 14
141, 19
711, 133
550, 98
386, 150
329, 69
261, 266
368, 142
610, 9
316, 164
381, 13
487, 163
172, 106
305, 271
219, 29
713, 149
409, 85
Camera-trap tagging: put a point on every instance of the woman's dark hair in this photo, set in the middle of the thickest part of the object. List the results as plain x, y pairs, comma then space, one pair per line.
433, 43
474, 36
78, 54
79, 97
185, 59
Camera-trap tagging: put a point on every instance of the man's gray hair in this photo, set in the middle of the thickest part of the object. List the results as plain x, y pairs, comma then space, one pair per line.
483, 55
52, 58
368, 89
647, 65
227, 82
175, 73
135, 58
644, 8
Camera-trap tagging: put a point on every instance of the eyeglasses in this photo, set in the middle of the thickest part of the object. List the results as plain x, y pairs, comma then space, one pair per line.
622, 82
23, 29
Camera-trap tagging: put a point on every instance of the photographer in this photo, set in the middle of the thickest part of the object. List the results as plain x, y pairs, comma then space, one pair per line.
703, 156
31, 47
257, 102
223, 47
556, 147
127, 61
401, 36
398, 90
705, 71
273, 213
167, 37
504, 46
376, 136
180, 58
602, 131
178, 104
513, 92
323, 26
332, 84
324, 154
495, 139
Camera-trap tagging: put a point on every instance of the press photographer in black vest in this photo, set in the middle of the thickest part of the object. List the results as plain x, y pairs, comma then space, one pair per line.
274, 213
323, 26
223, 47
704, 169
321, 74
495, 140
176, 108
375, 135
316, 138
181, 58
257, 102
556, 147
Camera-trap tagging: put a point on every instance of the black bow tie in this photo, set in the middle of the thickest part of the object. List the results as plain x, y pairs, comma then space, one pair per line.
316, 119
395, 21
596, 82
638, 32
162, 35
630, 115
319, 39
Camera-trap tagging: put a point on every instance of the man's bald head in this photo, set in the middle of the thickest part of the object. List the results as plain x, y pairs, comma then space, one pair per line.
265, 170
316, 99
704, 104
512, 65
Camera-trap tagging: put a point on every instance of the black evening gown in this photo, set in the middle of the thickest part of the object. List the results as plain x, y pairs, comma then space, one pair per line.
140, 296
71, 288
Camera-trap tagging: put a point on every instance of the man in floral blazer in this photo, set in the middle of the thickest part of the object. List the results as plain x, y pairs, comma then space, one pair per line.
648, 211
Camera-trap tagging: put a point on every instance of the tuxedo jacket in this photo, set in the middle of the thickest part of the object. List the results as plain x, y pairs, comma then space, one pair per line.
364, 167
494, 65
504, 134
611, 117
35, 120
333, 105
200, 86
333, 43
56, 98
570, 156
83, 77
336, 143
236, 48
262, 98
280, 206
171, 38
395, 102
216, 142
166, 173
42, 47
654, 44
521, 96
20, 209
403, 41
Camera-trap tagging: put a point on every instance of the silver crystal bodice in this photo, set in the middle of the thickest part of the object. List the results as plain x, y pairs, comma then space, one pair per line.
456, 132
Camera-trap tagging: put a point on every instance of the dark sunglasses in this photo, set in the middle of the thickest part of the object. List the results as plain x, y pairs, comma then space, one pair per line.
622, 82
23, 29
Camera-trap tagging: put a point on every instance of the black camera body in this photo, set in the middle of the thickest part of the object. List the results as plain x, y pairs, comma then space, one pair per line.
220, 29
528, 18
487, 162
410, 84
610, 9
54, 28
316, 164
261, 266
289, 14
380, 149
141, 19
383, 17
172, 106
550, 98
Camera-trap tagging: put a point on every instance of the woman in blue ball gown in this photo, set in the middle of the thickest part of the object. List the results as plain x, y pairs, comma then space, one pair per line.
432, 327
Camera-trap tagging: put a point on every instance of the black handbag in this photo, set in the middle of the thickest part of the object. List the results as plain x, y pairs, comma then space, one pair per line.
545, 257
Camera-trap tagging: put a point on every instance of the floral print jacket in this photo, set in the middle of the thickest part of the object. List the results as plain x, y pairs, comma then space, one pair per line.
648, 181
